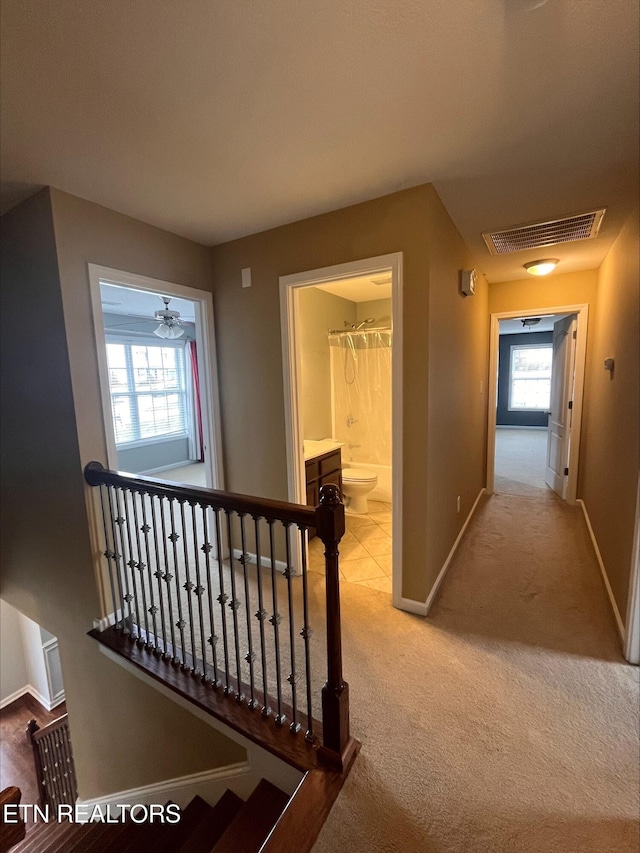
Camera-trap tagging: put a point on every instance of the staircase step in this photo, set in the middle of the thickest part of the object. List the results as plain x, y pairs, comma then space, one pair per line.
212, 827
257, 817
51, 838
171, 837
93, 834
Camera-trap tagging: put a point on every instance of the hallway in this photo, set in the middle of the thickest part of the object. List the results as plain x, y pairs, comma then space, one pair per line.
507, 720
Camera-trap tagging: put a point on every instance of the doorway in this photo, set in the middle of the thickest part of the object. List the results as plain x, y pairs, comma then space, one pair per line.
537, 363
158, 377
343, 396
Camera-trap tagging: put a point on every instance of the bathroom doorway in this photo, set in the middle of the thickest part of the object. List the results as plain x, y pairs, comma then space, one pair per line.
341, 336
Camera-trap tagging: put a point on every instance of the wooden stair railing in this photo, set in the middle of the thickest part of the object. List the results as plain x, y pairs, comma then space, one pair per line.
53, 760
12, 826
203, 598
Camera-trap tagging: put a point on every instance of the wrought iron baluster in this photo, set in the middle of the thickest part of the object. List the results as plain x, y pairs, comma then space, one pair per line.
289, 573
222, 599
141, 566
158, 574
189, 587
180, 624
153, 609
250, 656
131, 563
116, 524
206, 550
234, 604
306, 632
261, 615
110, 552
198, 591
275, 621
167, 577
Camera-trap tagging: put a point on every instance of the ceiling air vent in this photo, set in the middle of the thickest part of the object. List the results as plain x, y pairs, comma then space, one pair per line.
585, 226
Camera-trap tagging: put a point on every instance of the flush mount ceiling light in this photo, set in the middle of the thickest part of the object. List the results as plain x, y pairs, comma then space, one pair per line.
171, 325
543, 267
527, 322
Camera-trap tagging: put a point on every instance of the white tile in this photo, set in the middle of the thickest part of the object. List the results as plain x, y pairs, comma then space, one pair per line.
359, 570
380, 517
386, 528
370, 531
385, 562
379, 506
381, 584
379, 547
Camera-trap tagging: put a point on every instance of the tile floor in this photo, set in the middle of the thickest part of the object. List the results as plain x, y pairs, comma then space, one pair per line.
365, 549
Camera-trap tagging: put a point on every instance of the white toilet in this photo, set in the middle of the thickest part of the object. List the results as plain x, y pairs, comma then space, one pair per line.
356, 485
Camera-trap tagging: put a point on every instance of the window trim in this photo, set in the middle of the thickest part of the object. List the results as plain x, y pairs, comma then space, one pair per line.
535, 410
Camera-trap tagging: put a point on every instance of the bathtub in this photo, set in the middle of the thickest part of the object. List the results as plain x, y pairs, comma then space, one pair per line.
382, 491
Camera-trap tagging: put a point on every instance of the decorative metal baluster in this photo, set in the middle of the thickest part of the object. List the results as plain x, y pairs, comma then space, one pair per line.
131, 563
153, 609
251, 655
116, 524
213, 640
275, 621
158, 574
234, 604
141, 566
289, 574
189, 587
222, 599
306, 632
110, 551
167, 577
180, 624
127, 597
261, 615
198, 591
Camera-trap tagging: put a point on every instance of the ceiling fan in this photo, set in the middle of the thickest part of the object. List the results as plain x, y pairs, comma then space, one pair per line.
170, 323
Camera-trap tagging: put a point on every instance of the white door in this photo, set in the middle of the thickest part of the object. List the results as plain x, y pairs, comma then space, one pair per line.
562, 380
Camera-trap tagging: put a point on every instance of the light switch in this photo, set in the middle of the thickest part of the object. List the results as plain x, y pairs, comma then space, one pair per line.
246, 277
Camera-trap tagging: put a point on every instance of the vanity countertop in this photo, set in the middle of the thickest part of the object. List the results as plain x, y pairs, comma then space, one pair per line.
313, 449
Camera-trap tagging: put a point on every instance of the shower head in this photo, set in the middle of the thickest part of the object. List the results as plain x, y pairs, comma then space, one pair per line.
366, 322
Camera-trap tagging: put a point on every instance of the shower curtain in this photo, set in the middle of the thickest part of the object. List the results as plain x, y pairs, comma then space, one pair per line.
361, 394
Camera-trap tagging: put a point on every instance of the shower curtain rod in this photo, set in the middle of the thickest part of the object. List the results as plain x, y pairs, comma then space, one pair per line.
358, 331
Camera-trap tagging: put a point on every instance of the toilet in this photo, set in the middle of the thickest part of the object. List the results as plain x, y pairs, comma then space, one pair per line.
356, 485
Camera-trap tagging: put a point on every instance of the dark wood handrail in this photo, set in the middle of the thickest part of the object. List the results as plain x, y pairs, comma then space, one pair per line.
53, 760
95, 474
36, 733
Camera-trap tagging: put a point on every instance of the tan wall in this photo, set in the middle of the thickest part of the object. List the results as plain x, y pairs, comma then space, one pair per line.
612, 434
380, 309
250, 357
318, 311
124, 733
458, 355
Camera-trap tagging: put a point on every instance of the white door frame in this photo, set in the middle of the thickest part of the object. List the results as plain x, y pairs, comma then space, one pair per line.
632, 633
207, 364
582, 312
289, 284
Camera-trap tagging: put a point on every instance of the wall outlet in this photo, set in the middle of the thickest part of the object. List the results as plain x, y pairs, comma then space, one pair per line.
458, 504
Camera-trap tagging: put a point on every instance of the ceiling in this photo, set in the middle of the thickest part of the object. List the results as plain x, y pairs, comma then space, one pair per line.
219, 119
515, 327
141, 303
362, 288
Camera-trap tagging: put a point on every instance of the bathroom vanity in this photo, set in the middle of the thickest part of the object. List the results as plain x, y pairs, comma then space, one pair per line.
322, 465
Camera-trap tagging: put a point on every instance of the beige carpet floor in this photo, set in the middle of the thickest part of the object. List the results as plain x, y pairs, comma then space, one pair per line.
520, 462
507, 720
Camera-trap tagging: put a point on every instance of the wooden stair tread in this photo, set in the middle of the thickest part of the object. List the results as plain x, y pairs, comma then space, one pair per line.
89, 837
251, 825
214, 825
167, 838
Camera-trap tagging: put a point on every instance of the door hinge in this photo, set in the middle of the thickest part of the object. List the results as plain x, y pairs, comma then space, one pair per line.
571, 404
566, 471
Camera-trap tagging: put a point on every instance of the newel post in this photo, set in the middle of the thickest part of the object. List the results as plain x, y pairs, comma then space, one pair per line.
330, 527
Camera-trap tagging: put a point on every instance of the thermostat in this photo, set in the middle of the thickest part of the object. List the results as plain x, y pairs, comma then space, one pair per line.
468, 282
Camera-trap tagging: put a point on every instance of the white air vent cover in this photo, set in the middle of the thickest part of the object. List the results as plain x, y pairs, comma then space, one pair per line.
585, 226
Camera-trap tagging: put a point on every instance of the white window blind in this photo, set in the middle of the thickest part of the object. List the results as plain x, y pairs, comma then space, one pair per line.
148, 388
530, 377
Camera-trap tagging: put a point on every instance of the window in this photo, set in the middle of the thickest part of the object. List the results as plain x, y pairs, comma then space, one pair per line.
530, 377
147, 383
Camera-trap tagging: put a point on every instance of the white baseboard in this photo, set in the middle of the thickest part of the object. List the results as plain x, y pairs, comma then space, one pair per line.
603, 571
28, 688
210, 785
443, 571
421, 608
519, 426
150, 472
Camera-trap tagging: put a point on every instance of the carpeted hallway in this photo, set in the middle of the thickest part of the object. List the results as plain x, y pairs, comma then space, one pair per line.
507, 720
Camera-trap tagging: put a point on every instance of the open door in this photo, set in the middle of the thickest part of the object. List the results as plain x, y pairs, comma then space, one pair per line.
560, 415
